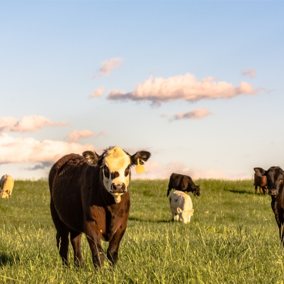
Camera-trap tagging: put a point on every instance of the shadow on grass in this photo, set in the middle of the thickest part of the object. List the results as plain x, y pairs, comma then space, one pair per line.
8, 258
239, 191
152, 221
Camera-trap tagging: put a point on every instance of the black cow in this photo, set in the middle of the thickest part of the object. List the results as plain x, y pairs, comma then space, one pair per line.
183, 183
275, 184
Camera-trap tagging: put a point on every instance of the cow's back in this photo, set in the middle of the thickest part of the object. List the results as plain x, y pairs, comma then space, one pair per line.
7, 182
181, 200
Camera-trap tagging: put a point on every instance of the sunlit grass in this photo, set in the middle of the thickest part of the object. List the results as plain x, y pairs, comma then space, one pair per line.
232, 238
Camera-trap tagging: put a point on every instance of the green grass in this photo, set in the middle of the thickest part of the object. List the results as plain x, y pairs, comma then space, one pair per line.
232, 238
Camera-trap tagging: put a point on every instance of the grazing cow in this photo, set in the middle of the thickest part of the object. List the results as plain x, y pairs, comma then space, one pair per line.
6, 184
275, 184
90, 195
260, 180
181, 206
183, 183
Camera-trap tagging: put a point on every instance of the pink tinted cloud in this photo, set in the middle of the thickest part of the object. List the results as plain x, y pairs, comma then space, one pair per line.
183, 87
76, 135
251, 73
156, 170
97, 93
30, 150
194, 114
108, 65
29, 123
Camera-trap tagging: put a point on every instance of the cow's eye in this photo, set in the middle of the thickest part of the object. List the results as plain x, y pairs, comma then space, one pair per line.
126, 172
106, 171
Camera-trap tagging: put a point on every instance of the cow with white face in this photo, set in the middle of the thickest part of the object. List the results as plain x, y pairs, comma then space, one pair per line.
116, 169
90, 194
181, 206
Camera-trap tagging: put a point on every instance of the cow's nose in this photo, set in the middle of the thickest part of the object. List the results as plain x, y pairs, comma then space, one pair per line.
117, 188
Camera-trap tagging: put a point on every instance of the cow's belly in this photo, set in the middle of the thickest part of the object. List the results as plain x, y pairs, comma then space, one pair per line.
68, 206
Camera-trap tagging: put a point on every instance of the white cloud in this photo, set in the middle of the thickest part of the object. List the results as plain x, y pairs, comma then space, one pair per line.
156, 170
29, 123
194, 114
97, 93
107, 66
30, 150
251, 73
76, 135
184, 87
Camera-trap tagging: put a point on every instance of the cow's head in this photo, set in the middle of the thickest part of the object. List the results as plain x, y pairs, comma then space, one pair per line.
183, 215
115, 165
5, 193
196, 191
275, 176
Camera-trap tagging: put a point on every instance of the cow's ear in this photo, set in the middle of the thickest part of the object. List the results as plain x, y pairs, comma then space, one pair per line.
143, 156
179, 210
259, 171
92, 157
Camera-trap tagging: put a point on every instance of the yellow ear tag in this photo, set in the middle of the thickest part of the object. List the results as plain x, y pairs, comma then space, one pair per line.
139, 168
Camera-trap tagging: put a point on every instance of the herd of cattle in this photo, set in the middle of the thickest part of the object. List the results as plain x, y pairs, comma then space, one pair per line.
89, 194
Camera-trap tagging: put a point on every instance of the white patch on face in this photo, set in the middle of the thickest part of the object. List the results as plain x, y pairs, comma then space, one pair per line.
117, 161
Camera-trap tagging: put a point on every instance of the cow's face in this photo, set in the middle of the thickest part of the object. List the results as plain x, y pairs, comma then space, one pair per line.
184, 216
115, 165
116, 172
5, 194
275, 176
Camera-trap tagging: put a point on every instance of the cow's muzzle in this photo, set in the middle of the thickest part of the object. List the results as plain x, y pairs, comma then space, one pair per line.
272, 192
117, 188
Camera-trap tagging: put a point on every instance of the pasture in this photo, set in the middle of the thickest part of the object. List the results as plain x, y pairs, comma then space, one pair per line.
232, 238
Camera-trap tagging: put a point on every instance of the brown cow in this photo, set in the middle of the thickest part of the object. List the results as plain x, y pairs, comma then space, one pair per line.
183, 183
260, 180
275, 184
90, 195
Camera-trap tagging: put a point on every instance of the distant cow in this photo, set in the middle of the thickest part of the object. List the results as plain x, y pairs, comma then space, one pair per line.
260, 180
6, 184
181, 206
275, 184
182, 183
90, 195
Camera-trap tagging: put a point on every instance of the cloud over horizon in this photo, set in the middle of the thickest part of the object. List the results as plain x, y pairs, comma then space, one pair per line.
30, 150
183, 87
251, 73
31, 123
108, 65
156, 170
97, 93
198, 113
76, 135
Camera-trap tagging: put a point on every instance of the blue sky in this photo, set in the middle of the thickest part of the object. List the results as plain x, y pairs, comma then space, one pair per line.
51, 53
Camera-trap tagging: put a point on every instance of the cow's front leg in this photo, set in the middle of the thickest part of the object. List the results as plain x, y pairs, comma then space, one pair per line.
112, 251
94, 239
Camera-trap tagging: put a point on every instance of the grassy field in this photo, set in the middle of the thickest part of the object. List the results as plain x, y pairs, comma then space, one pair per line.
232, 238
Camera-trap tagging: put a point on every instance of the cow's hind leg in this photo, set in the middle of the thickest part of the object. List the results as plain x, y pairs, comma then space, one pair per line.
112, 251
255, 189
76, 244
62, 240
